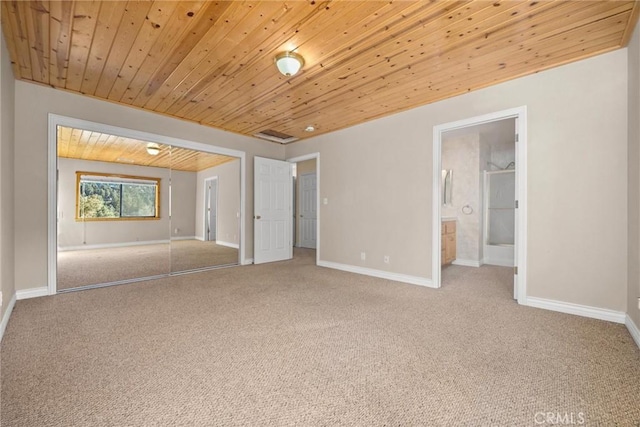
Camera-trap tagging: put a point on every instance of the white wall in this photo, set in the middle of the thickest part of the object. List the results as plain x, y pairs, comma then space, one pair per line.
633, 207
74, 234
502, 155
377, 178
183, 205
33, 103
7, 257
228, 223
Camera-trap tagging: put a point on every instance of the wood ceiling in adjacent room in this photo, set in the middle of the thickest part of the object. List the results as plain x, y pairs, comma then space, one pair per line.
212, 62
88, 145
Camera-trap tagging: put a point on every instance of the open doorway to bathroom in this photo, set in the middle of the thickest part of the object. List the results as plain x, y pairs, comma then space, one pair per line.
478, 206
479, 187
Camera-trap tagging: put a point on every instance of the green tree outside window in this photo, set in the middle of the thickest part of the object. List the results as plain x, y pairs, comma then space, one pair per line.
116, 197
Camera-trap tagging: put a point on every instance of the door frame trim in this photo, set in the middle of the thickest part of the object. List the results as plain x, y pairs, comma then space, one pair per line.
315, 156
56, 120
520, 114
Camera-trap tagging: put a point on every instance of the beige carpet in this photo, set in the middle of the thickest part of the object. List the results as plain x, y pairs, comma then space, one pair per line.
293, 344
96, 266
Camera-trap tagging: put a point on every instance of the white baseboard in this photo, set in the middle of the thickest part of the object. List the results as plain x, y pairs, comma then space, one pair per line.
112, 245
227, 244
32, 293
247, 261
201, 238
633, 330
183, 238
7, 314
498, 262
467, 263
414, 280
577, 309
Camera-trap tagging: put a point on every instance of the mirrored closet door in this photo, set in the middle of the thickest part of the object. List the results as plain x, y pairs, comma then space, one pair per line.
131, 210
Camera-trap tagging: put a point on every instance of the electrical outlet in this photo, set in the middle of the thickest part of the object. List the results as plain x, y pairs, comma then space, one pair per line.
386, 259
363, 256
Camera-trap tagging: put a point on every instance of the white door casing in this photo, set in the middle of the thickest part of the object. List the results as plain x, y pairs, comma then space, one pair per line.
294, 201
308, 210
516, 218
273, 208
520, 241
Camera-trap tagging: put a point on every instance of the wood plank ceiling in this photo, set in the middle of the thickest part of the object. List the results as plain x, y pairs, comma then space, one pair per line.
88, 145
212, 62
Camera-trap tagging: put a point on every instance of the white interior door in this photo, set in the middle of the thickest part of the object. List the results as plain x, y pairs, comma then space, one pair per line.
273, 210
211, 209
308, 210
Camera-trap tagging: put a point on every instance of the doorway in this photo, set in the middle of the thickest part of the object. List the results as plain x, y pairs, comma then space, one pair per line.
306, 184
307, 218
490, 217
305, 202
210, 208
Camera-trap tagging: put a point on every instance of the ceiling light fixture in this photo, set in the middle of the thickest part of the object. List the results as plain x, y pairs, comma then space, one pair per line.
153, 148
309, 128
289, 63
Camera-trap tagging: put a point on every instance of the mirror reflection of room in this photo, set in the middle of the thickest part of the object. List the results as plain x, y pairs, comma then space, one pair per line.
217, 211
131, 209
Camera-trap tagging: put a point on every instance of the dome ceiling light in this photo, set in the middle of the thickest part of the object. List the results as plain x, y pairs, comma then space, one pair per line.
289, 63
153, 149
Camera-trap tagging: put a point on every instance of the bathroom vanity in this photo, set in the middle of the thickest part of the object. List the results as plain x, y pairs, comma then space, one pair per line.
448, 241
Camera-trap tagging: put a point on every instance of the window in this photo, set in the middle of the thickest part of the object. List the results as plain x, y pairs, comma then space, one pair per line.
116, 197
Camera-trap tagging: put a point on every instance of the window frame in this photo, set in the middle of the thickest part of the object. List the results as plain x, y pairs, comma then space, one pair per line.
126, 179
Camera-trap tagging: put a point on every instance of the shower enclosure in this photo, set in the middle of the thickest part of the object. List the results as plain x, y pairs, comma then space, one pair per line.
499, 217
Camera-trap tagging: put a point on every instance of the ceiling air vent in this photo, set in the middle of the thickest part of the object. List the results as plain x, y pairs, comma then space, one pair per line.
275, 136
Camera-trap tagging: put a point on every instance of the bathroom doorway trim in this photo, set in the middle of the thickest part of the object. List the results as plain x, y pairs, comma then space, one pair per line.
520, 114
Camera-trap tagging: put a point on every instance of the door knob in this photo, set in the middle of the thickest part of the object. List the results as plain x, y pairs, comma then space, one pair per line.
257, 217
301, 216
